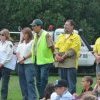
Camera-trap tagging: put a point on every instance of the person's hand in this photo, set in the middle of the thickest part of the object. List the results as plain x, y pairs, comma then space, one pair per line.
59, 58
75, 95
98, 59
21, 60
1, 65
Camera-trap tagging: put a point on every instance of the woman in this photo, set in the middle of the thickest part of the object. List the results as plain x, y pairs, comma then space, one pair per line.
6, 53
26, 69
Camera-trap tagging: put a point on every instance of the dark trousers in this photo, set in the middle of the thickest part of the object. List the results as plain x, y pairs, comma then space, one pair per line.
0, 73
69, 74
5, 82
97, 68
42, 73
26, 74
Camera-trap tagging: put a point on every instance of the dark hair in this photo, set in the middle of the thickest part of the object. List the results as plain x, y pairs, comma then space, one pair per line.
88, 79
28, 31
71, 22
48, 90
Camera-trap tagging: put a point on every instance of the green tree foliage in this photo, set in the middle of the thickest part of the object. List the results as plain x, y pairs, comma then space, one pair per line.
86, 13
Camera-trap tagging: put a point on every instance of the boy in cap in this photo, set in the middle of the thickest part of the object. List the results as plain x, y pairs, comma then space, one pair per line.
42, 54
62, 91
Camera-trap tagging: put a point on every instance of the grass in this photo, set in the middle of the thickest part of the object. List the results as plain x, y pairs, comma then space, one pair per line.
14, 92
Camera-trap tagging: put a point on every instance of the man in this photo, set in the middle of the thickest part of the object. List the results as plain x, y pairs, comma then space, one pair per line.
43, 52
62, 91
67, 50
96, 50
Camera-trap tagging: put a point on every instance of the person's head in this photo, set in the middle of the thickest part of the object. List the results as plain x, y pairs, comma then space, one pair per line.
60, 86
87, 81
89, 97
98, 78
50, 28
27, 34
37, 25
69, 26
48, 90
5, 35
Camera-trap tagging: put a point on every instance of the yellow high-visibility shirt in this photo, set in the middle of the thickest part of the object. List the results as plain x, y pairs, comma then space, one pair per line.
68, 41
96, 48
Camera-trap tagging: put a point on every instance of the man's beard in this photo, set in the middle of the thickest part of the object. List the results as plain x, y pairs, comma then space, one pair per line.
66, 31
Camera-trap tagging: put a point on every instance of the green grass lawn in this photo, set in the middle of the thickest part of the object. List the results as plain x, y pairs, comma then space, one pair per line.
14, 92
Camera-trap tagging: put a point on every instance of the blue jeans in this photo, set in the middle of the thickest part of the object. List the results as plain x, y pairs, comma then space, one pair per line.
69, 74
5, 82
42, 77
0, 73
26, 74
97, 68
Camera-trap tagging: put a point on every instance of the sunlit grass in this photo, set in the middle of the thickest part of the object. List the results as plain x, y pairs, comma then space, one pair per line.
15, 92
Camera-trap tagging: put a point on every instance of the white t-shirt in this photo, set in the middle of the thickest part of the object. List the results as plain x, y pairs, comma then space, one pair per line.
6, 51
53, 96
23, 49
6, 55
65, 96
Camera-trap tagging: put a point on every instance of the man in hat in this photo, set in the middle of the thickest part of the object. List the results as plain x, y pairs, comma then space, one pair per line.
42, 54
61, 89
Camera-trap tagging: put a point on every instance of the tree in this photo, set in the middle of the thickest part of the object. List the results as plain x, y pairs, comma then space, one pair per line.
86, 14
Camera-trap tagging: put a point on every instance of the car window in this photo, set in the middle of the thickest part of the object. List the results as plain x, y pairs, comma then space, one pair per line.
15, 36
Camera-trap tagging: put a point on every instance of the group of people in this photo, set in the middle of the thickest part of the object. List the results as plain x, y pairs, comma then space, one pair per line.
36, 53
59, 90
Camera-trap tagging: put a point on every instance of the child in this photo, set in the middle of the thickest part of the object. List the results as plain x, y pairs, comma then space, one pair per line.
48, 91
96, 89
61, 90
87, 81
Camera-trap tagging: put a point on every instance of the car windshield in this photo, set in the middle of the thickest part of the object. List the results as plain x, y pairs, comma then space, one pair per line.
15, 36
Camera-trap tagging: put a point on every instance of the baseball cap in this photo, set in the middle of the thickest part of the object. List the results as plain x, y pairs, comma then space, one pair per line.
60, 83
37, 22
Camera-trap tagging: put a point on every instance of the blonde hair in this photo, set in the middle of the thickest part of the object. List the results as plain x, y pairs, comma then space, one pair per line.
6, 33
